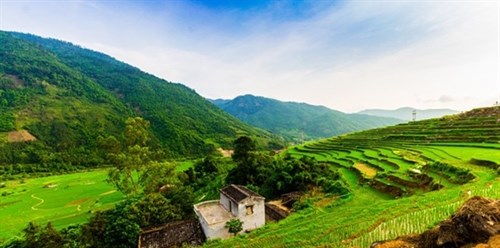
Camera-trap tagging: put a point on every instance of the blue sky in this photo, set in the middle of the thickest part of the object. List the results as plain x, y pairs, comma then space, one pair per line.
346, 55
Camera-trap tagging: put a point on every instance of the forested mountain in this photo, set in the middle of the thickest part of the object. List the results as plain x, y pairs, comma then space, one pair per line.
294, 120
67, 97
406, 113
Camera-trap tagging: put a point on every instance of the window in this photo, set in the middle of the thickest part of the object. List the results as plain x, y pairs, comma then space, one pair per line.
249, 209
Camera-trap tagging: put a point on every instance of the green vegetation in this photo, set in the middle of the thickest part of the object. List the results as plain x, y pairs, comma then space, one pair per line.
234, 226
424, 171
63, 200
85, 110
298, 121
155, 194
273, 176
70, 98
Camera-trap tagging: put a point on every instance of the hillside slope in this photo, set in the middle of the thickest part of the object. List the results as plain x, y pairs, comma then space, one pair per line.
67, 97
477, 125
293, 119
399, 185
406, 113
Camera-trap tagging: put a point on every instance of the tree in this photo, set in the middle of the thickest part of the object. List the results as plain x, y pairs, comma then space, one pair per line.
150, 210
158, 176
128, 174
50, 237
206, 166
251, 170
242, 148
234, 226
31, 235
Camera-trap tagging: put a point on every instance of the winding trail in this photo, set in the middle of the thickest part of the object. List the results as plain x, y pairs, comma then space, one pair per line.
38, 204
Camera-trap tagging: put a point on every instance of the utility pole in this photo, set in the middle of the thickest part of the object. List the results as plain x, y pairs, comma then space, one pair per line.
303, 127
414, 115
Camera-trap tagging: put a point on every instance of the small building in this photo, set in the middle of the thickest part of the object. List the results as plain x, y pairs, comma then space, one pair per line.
236, 202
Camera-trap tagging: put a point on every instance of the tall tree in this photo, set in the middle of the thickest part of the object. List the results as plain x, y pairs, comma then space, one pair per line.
130, 161
243, 145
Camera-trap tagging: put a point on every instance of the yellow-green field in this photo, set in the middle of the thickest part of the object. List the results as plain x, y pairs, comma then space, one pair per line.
62, 200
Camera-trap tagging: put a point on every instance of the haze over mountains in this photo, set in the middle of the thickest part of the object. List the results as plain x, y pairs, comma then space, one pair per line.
405, 113
297, 121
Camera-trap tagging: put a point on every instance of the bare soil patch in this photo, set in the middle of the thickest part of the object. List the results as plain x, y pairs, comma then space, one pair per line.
20, 136
475, 224
225, 153
77, 202
368, 171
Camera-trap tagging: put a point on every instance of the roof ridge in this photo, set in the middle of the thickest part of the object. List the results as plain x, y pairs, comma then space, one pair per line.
241, 190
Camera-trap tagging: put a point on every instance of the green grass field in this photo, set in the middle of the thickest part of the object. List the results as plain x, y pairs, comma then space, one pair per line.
62, 200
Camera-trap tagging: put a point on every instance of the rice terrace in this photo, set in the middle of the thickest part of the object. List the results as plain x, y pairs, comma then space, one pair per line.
424, 171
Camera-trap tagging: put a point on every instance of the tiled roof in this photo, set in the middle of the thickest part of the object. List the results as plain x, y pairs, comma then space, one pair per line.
238, 192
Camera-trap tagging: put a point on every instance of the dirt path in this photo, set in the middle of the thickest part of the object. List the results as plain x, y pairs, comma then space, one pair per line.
34, 207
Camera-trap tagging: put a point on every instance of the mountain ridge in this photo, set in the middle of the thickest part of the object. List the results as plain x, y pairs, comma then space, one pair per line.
297, 121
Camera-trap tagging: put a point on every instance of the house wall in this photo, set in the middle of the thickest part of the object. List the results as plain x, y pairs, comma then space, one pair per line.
216, 230
238, 210
255, 220
226, 202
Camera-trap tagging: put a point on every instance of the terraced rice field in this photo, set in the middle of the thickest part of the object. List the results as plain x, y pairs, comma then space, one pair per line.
403, 179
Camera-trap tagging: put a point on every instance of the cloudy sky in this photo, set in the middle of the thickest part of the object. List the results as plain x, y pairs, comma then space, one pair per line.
346, 55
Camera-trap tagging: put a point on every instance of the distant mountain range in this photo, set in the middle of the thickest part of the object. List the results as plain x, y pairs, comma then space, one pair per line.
406, 113
297, 121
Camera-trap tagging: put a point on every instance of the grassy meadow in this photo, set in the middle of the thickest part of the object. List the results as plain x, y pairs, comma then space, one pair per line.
62, 200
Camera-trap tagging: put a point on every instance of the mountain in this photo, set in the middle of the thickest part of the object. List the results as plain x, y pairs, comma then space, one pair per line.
298, 120
406, 113
64, 97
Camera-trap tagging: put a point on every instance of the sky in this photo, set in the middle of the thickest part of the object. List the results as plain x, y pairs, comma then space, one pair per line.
346, 55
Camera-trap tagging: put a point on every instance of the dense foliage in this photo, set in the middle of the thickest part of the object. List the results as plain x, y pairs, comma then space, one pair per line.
180, 119
68, 97
298, 121
273, 176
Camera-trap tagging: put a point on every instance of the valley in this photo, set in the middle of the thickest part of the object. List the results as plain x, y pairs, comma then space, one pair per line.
63, 200
94, 152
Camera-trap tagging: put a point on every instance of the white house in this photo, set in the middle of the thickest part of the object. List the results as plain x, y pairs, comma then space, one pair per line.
236, 202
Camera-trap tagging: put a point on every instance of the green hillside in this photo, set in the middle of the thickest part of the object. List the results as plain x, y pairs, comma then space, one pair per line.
403, 179
67, 97
298, 120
